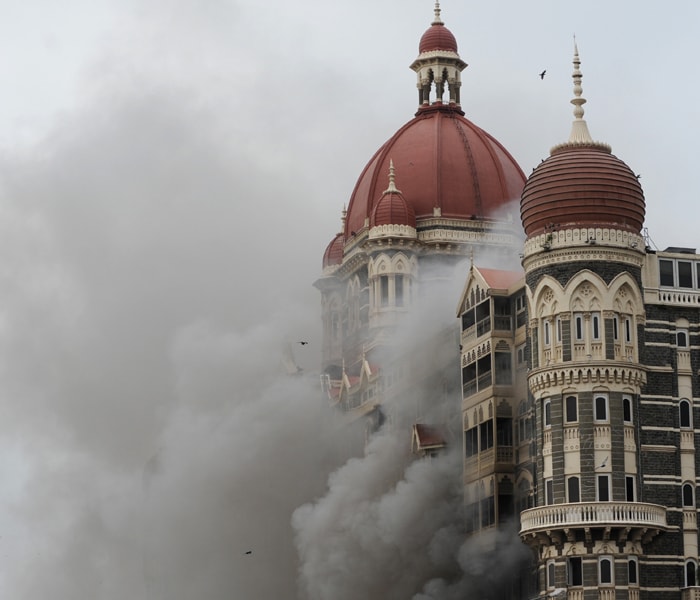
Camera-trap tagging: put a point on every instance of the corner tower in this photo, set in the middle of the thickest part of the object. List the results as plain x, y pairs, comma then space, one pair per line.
582, 210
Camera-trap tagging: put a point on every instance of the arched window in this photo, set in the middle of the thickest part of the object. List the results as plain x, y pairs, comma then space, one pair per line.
550, 575
682, 339
547, 409
690, 573
601, 408
688, 499
578, 326
627, 409
684, 409
632, 572
573, 489
605, 571
595, 325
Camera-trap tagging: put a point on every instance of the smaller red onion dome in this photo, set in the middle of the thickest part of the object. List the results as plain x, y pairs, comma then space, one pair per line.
334, 252
392, 208
437, 37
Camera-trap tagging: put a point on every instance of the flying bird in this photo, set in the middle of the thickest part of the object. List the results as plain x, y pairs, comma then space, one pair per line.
602, 465
303, 343
542, 74
248, 552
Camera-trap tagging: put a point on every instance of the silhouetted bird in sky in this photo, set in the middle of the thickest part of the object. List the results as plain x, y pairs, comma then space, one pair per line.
249, 552
542, 74
303, 343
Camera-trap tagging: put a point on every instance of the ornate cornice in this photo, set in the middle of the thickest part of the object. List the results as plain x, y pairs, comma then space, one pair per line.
389, 231
557, 376
583, 245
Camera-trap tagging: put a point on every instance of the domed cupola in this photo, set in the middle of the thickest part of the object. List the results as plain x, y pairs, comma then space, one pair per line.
449, 168
333, 255
392, 214
438, 64
582, 184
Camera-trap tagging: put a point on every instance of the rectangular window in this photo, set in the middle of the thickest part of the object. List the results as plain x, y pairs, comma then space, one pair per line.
548, 491
546, 333
486, 435
504, 431
503, 368
629, 488
398, 289
685, 274
595, 324
550, 575
628, 330
558, 325
601, 408
574, 571
547, 409
488, 515
666, 273
616, 327
603, 488
571, 409
384, 290
471, 442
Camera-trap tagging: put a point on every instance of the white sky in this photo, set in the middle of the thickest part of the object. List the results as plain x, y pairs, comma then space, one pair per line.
170, 174
285, 64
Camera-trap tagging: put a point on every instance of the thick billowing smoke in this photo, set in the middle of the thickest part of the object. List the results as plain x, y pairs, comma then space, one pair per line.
391, 527
150, 283
151, 279
151, 437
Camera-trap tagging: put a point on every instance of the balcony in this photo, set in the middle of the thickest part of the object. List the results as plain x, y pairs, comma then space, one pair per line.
632, 515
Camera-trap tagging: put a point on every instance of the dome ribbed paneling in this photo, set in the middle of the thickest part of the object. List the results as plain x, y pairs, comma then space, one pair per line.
437, 37
392, 209
582, 186
334, 251
442, 160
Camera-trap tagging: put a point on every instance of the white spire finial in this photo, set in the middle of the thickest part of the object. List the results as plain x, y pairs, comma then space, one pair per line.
392, 180
437, 20
579, 128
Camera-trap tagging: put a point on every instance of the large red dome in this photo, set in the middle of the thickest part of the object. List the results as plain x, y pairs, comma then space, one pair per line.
582, 186
442, 161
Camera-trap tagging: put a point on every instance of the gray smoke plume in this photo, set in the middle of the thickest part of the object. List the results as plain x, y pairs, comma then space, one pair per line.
150, 436
151, 279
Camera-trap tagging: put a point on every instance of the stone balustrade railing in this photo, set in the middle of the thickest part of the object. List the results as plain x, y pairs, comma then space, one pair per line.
591, 514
